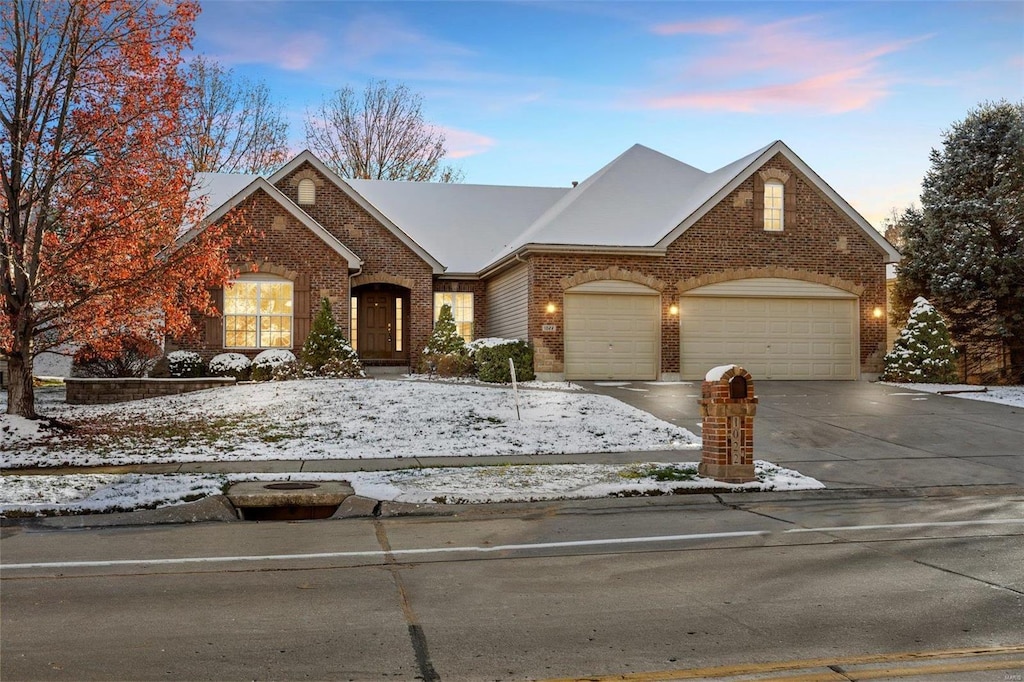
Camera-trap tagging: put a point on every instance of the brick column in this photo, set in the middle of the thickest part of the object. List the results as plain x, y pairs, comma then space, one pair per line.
727, 408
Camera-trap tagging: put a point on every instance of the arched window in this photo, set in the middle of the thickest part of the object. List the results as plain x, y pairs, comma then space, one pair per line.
774, 201
307, 192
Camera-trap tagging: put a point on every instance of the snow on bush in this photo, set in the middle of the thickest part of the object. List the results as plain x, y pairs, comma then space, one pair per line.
230, 365
445, 353
923, 352
326, 351
185, 364
264, 364
491, 358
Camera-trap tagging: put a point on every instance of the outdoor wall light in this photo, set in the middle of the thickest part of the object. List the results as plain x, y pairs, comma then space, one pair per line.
673, 309
550, 308
877, 312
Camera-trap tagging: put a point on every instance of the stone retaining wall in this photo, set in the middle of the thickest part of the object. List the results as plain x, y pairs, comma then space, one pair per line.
103, 391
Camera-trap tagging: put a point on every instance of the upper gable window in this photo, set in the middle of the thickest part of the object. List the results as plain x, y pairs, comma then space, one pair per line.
774, 203
307, 192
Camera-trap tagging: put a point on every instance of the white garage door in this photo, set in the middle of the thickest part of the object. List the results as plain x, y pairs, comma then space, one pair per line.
612, 335
773, 337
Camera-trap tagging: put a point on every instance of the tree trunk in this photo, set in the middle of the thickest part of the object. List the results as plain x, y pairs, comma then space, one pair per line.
21, 398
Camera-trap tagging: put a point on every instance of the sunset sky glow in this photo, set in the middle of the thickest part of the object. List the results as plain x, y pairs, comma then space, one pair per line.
544, 93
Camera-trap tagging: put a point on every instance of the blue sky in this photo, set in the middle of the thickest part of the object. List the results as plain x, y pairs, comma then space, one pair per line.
544, 93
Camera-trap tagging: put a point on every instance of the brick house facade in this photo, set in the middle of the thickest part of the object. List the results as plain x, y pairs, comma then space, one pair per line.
694, 262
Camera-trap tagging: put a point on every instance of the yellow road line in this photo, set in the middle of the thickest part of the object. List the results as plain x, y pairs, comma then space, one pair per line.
805, 664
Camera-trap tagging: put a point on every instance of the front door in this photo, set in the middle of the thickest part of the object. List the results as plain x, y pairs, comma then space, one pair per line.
381, 326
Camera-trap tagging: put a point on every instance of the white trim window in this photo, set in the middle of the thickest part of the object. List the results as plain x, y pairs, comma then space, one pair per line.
462, 310
774, 202
258, 313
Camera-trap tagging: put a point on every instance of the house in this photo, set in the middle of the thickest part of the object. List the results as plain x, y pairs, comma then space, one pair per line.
648, 269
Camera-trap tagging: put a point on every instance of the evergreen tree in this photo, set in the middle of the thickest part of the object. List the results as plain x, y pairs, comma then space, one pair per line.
965, 250
923, 352
326, 341
445, 339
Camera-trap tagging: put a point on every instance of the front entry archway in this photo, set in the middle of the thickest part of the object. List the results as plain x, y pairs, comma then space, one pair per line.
380, 327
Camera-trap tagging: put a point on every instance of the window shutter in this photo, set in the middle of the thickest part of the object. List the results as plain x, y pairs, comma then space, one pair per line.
789, 196
215, 325
758, 201
302, 309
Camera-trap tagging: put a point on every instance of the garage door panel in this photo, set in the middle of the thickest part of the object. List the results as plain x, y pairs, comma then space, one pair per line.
773, 338
612, 336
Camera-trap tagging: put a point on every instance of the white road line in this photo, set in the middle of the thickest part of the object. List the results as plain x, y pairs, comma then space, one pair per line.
485, 550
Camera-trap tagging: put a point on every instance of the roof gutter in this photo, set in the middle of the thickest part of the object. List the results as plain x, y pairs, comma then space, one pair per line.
528, 249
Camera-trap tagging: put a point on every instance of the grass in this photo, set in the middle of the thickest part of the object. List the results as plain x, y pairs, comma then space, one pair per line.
666, 472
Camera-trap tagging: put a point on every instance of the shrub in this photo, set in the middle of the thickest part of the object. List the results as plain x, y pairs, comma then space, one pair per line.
231, 365
185, 364
445, 338
263, 364
137, 357
447, 365
289, 370
923, 352
339, 368
326, 351
491, 357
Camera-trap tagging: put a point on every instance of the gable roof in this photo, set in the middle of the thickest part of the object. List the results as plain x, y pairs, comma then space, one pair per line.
463, 226
216, 185
309, 157
640, 202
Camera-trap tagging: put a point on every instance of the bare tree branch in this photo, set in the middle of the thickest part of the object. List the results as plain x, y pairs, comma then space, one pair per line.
380, 135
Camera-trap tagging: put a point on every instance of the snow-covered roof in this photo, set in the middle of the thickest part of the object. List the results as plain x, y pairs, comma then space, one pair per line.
631, 202
218, 188
642, 199
463, 226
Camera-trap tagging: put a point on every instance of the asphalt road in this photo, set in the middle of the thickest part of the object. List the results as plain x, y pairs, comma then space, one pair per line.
830, 586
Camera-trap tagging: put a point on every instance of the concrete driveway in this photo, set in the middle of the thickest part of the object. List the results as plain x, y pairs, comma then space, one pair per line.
858, 434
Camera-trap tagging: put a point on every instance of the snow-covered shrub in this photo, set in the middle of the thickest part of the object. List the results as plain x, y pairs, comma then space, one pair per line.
326, 351
185, 364
446, 354
923, 352
445, 338
263, 364
230, 365
491, 358
340, 368
287, 371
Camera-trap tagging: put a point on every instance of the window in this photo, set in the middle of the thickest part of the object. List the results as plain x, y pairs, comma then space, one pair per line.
398, 325
307, 192
354, 316
462, 310
773, 206
258, 314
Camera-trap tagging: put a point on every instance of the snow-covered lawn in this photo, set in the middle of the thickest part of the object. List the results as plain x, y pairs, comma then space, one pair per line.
1005, 395
78, 493
333, 419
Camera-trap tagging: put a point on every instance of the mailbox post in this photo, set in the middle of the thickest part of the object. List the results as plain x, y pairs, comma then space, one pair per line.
727, 408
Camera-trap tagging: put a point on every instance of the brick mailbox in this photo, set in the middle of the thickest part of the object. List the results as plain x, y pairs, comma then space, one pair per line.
727, 408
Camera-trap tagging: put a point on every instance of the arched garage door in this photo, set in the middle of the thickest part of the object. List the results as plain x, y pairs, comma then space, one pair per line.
774, 328
612, 331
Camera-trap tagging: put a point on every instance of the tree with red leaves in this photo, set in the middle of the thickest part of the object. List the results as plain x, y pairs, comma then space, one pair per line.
95, 181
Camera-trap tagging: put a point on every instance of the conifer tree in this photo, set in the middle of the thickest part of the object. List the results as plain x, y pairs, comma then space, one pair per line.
326, 341
923, 352
445, 339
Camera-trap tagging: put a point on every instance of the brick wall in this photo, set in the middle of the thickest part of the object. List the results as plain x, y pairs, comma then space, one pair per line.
820, 243
105, 391
278, 244
385, 256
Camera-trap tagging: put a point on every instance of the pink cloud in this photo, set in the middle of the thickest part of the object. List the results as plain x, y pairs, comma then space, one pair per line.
783, 65
463, 143
832, 93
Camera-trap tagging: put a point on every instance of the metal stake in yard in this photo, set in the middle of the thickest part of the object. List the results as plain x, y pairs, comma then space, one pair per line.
515, 386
